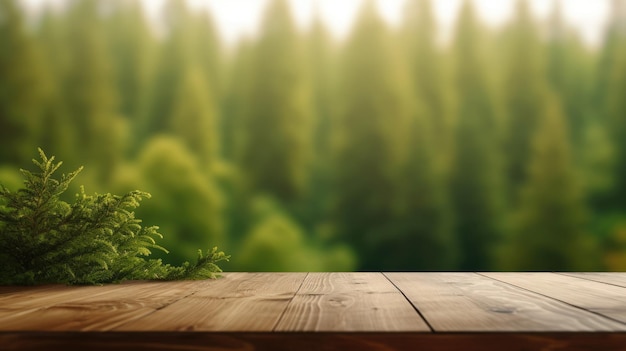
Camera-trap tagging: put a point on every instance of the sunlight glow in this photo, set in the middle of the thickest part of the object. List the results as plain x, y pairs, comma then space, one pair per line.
237, 18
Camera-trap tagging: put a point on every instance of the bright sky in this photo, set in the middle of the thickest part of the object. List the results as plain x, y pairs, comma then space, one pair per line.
235, 18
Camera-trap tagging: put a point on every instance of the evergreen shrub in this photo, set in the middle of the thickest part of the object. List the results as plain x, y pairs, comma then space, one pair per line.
96, 239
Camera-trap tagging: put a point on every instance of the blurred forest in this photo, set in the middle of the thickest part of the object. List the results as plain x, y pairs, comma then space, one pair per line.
504, 149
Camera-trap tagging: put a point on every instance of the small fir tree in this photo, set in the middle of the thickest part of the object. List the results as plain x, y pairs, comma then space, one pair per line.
96, 239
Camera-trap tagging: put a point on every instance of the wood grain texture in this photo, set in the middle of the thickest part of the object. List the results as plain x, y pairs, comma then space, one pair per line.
40, 296
27, 300
604, 299
323, 311
236, 302
12, 291
460, 302
612, 278
92, 308
350, 302
206, 341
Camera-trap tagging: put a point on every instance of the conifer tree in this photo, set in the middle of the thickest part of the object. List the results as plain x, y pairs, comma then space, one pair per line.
524, 91
236, 91
132, 47
570, 74
193, 117
613, 49
426, 216
92, 100
52, 35
60, 132
182, 100
236, 193
571, 77
321, 64
476, 171
173, 57
21, 94
428, 74
371, 140
207, 50
550, 224
612, 84
96, 239
274, 133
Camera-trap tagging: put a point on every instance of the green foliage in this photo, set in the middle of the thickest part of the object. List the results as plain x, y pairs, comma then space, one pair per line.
615, 244
185, 83
96, 239
550, 224
10, 177
616, 105
192, 117
427, 67
191, 204
276, 110
276, 243
322, 77
596, 162
21, 93
391, 149
89, 91
476, 173
569, 69
524, 92
425, 213
129, 41
370, 138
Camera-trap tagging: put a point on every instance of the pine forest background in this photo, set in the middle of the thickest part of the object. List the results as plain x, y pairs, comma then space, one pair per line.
504, 149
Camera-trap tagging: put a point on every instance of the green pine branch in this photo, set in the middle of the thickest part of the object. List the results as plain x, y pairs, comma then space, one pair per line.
94, 240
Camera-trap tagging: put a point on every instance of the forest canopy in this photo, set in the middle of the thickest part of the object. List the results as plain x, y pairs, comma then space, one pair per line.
292, 150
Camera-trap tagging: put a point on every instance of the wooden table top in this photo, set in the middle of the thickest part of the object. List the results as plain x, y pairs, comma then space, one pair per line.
313, 311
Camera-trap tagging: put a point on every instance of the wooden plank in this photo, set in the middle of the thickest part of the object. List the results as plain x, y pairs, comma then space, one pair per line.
613, 278
237, 302
461, 302
605, 299
95, 308
11, 290
289, 341
39, 296
28, 300
350, 302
